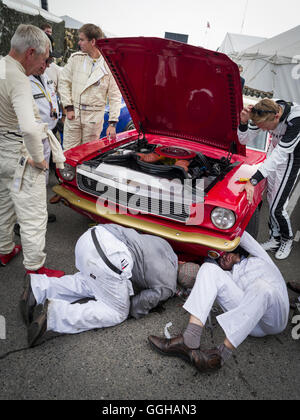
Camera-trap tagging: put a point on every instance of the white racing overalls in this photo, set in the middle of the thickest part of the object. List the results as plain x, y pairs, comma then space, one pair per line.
22, 200
45, 99
22, 187
87, 84
253, 295
281, 168
111, 292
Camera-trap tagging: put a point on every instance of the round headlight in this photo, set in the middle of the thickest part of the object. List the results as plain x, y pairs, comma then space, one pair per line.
68, 173
223, 218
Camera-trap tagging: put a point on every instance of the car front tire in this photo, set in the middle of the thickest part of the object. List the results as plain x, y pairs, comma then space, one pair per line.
253, 225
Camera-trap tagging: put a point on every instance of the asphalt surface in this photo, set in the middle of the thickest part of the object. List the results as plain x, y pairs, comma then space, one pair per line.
118, 363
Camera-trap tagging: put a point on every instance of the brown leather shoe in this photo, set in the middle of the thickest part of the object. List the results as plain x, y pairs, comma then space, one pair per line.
202, 360
55, 199
295, 287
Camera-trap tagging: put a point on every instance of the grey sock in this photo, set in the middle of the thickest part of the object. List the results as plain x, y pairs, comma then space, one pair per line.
226, 353
192, 336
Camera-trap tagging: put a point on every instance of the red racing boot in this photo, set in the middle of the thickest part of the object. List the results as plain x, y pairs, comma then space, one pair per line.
48, 272
5, 258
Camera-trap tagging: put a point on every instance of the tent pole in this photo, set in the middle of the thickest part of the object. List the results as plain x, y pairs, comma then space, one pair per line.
244, 17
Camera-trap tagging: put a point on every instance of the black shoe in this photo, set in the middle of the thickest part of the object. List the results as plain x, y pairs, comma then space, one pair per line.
295, 287
17, 229
38, 327
51, 218
27, 302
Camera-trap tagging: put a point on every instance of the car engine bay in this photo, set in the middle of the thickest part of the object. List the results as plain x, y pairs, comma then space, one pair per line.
169, 162
152, 178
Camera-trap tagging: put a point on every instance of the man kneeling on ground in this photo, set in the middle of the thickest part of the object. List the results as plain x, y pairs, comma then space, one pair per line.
253, 295
121, 271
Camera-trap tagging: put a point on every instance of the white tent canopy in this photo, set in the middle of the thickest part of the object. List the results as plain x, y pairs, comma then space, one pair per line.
235, 43
31, 9
76, 24
273, 65
71, 23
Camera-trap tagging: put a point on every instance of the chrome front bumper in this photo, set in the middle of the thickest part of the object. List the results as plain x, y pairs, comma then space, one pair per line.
168, 233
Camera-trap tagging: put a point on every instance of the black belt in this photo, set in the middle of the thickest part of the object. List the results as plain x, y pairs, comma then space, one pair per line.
102, 255
12, 133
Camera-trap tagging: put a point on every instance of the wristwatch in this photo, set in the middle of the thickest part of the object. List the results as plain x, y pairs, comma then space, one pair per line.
253, 181
112, 123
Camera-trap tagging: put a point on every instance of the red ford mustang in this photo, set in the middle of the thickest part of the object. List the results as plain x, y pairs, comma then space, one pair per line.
178, 175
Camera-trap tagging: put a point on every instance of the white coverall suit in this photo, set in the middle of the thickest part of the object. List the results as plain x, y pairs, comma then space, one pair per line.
22, 187
45, 97
86, 84
281, 168
53, 73
96, 280
253, 295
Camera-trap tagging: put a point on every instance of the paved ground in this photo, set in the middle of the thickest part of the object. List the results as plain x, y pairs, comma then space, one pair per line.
117, 363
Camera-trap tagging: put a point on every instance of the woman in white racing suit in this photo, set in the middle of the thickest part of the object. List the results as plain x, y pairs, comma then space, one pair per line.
281, 168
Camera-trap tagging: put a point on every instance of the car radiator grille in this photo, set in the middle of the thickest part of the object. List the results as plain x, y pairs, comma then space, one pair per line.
167, 209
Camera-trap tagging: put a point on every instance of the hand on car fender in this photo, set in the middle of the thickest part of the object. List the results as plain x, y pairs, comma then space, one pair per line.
111, 132
249, 188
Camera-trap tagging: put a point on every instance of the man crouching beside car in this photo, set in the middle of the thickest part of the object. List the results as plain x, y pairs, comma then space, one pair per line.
121, 273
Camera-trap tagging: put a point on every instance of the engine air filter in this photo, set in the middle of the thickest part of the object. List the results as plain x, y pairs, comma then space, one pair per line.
175, 152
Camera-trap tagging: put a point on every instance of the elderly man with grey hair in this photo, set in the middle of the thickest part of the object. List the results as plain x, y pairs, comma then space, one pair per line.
22, 162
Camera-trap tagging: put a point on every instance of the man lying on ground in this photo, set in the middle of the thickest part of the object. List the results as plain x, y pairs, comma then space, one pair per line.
121, 272
253, 295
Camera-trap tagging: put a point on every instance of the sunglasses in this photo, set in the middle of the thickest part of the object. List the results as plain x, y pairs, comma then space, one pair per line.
261, 112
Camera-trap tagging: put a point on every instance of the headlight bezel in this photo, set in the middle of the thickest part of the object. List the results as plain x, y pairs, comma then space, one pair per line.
223, 213
68, 173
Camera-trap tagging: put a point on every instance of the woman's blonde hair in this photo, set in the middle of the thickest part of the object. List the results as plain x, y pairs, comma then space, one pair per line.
263, 111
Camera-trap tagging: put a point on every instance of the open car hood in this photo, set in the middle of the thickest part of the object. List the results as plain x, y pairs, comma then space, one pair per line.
178, 90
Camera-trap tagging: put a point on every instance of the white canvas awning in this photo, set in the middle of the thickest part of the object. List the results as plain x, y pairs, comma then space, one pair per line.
274, 65
76, 24
235, 43
31, 9
71, 23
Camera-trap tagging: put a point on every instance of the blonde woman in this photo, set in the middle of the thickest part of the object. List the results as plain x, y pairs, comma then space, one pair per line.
281, 168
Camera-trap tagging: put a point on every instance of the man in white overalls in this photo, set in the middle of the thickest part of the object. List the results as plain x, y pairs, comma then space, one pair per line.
122, 271
22, 162
251, 292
